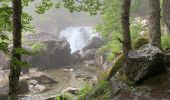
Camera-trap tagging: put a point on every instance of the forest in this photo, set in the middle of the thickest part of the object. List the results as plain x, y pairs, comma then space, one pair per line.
84, 49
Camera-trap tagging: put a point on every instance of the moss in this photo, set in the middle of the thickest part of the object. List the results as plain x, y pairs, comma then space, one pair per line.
141, 41
115, 67
101, 91
124, 79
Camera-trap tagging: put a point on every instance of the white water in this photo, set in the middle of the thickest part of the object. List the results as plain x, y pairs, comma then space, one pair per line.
78, 36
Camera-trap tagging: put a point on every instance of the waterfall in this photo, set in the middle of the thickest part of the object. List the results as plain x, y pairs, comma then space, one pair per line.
78, 36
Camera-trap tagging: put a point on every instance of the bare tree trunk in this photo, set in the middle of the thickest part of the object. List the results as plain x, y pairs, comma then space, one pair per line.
126, 26
166, 13
14, 68
154, 26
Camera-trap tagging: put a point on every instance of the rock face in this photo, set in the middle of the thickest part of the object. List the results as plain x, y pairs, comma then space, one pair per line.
89, 51
146, 62
95, 43
55, 52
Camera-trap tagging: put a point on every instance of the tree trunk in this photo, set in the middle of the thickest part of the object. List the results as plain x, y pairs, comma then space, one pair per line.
125, 27
154, 26
14, 68
166, 13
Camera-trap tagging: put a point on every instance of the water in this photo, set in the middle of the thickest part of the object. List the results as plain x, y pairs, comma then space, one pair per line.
78, 36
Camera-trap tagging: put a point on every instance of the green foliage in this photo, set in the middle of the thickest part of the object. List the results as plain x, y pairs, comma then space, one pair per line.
110, 29
118, 64
83, 92
141, 41
38, 47
19, 63
4, 42
101, 91
45, 5
165, 41
91, 6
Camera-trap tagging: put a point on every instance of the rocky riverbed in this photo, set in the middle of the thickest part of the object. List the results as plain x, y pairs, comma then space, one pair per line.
49, 83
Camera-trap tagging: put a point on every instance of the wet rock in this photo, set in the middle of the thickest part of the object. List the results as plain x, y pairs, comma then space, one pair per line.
88, 54
33, 82
40, 87
89, 62
71, 90
54, 54
95, 43
144, 63
23, 87
75, 57
42, 79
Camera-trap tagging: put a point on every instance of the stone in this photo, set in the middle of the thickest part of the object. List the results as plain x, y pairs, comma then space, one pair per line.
88, 54
71, 90
42, 79
40, 88
75, 57
23, 87
94, 43
144, 63
33, 82
53, 56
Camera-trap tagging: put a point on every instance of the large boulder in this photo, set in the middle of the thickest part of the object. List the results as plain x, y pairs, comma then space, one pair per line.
141, 64
88, 54
94, 43
54, 54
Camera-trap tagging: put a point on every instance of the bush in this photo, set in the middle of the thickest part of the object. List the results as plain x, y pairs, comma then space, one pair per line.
101, 91
141, 41
38, 47
165, 41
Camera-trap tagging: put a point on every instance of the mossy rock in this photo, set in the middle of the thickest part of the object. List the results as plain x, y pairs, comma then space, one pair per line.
101, 91
141, 41
115, 67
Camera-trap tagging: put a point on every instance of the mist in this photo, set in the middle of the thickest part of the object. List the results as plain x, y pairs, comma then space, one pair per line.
54, 20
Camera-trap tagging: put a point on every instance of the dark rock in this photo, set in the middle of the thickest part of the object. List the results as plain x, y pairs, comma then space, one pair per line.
23, 87
57, 54
167, 57
88, 54
75, 57
89, 62
3, 96
144, 63
43, 79
94, 43
71, 90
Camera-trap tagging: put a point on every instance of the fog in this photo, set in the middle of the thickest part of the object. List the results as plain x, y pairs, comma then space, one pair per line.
54, 20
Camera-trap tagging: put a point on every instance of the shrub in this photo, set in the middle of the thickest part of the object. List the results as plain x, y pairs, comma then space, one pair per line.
141, 41
165, 41
38, 47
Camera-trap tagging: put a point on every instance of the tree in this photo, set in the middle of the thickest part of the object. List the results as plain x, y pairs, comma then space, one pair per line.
15, 67
154, 25
126, 27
